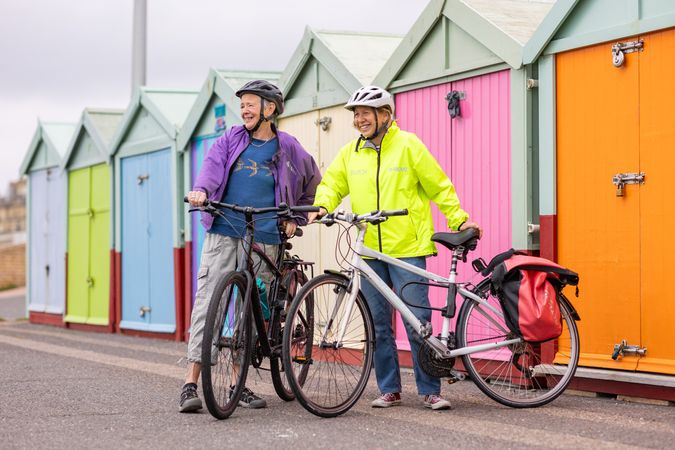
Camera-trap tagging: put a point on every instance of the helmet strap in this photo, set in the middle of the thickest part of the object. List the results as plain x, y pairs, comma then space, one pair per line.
378, 129
261, 120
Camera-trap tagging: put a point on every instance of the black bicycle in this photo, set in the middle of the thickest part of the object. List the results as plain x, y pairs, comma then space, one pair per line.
230, 346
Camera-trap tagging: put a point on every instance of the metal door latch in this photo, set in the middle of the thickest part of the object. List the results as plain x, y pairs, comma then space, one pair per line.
619, 50
142, 178
623, 349
621, 179
324, 122
143, 310
90, 282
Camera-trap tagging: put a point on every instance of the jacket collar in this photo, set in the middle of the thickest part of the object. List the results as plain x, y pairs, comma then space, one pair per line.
388, 136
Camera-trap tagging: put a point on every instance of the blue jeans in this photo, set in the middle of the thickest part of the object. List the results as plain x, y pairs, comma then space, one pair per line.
386, 355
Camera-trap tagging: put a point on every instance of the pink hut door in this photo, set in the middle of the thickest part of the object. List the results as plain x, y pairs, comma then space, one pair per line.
474, 149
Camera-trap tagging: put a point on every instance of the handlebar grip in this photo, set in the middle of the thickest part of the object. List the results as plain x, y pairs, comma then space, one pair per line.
298, 232
305, 208
396, 212
206, 202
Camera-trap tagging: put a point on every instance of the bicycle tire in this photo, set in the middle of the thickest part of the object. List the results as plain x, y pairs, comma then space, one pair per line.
277, 369
226, 345
327, 378
549, 366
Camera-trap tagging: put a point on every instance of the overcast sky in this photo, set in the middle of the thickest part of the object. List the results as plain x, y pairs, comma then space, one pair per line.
59, 56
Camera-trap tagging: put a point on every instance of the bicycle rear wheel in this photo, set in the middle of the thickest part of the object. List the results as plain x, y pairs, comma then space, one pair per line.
327, 376
291, 283
226, 346
522, 375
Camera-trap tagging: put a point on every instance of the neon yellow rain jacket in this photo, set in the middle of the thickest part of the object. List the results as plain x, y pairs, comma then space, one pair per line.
403, 174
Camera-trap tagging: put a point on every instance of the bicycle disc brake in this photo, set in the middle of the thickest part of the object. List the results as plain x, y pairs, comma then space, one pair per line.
432, 365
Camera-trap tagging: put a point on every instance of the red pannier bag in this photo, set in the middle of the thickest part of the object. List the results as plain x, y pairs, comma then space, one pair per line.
527, 287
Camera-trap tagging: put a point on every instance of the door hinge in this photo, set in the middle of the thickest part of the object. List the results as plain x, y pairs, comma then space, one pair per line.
620, 49
623, 349
324, 122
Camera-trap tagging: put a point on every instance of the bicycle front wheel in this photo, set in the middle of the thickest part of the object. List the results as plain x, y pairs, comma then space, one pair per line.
226, 346
328, 374
522, 375
286, 292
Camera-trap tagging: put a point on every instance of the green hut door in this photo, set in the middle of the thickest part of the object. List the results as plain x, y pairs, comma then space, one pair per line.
88, 299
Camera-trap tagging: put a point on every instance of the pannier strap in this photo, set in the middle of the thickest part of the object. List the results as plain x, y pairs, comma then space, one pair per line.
525, 262
467, 238
497, 260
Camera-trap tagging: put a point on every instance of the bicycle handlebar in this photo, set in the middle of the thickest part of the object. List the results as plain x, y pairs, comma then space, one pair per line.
371, 217
283, 208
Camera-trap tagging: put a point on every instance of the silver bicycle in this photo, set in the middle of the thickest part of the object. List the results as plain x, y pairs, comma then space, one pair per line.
329, 336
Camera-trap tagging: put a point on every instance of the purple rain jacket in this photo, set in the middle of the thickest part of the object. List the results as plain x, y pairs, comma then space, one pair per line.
295, 173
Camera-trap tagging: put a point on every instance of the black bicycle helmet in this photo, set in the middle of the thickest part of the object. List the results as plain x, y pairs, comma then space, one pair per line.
266, 90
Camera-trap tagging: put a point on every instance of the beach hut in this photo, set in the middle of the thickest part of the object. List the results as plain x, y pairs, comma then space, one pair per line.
90, 239
325, 69
460, 85
215, 110
148, 180
606, 138
46, 250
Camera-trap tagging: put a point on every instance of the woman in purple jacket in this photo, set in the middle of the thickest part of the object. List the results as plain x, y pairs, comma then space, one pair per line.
254, 165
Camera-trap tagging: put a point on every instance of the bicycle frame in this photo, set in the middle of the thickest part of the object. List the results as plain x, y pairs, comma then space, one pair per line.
245, 266
424, 329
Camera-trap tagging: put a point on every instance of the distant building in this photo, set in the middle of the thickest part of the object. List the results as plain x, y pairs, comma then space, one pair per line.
13, 210
13, 236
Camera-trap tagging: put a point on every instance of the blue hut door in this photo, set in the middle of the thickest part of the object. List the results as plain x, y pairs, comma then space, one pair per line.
200, 147
148, 299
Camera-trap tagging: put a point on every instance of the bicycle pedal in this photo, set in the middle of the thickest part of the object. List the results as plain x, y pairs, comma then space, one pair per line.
301, 360
455, 377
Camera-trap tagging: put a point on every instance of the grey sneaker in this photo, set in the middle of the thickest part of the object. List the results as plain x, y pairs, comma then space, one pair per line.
387, 400
189, 400
249, 400
436, 402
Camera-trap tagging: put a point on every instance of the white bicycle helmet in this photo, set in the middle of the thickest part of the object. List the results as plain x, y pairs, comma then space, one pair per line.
372, 96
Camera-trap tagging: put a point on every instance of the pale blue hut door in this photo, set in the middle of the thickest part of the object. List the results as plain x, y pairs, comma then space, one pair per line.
47, 245
38, 241
148, 301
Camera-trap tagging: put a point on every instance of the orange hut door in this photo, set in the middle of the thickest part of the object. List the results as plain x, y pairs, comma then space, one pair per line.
615, 120
599, 232
657, 205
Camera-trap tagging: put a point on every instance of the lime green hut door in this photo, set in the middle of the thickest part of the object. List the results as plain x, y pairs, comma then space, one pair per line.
89, 245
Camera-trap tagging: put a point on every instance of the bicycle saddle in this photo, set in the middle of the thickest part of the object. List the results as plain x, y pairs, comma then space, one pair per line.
467, 239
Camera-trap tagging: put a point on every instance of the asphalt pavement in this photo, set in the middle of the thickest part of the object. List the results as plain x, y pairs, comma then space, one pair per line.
76, 390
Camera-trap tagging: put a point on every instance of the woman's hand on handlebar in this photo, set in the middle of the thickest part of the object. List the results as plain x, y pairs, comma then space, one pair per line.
196, 198
466, 225
311, 217
290, 227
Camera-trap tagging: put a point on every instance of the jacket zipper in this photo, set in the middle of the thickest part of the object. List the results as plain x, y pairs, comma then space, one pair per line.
377, 186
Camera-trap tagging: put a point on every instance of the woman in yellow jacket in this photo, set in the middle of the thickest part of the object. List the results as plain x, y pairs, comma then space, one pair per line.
388, 168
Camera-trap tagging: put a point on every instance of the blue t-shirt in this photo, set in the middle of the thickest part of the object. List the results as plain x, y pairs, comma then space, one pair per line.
251, 184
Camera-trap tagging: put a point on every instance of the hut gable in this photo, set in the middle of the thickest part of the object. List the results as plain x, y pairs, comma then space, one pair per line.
328, 66
452, 37
153, 115
218, 89
92, 136
573, 24
48, 146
